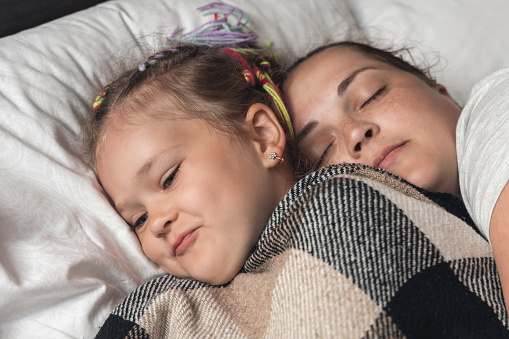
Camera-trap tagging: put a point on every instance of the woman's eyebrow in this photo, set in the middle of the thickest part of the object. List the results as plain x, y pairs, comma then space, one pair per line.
345, 83
308, 128
305, 131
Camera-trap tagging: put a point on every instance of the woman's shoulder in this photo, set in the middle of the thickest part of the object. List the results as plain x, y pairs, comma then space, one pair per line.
498, 77
489, 96
482, 136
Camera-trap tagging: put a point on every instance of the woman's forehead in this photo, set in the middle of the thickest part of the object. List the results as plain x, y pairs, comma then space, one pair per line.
339, 57
332, 64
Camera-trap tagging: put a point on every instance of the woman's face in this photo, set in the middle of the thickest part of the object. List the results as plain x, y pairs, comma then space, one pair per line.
198, 199
349, 108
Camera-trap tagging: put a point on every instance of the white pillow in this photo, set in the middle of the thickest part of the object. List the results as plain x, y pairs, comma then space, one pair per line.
66, 257
469, 36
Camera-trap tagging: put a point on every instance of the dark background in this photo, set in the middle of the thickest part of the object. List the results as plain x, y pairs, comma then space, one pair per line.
17, 15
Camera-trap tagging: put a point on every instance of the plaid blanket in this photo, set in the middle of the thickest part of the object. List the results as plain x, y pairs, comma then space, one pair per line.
350, 252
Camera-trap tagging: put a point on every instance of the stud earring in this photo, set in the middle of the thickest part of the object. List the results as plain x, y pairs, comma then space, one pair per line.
272, 155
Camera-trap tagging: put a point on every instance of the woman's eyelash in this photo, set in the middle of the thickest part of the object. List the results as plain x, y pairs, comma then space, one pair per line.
320, 161
374, 96
168, 182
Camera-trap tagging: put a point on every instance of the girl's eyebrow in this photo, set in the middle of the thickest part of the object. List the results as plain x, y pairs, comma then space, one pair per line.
345, 83
151, 161
121, 207
142, 172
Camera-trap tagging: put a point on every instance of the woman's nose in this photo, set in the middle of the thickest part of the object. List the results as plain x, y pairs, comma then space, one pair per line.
358, 135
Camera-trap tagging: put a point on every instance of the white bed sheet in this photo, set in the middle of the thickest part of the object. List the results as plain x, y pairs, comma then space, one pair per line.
66, 258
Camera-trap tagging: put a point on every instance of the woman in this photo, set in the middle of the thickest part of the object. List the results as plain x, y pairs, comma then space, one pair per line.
353, 103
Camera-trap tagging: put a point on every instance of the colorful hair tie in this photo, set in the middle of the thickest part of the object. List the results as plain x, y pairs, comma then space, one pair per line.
100, 99
265, 64
152, 62
267, 84
219, 32
249, 77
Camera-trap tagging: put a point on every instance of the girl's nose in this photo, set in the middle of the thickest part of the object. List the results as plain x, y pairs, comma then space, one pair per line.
160, 219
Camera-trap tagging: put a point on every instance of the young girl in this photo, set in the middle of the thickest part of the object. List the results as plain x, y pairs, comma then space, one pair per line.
366, 105
190, 151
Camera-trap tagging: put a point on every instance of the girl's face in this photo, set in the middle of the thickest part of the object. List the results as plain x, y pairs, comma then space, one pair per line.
197, 198
348, 108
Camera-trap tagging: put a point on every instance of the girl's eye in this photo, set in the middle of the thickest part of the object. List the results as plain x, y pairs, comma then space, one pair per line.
140, 221
168, 182
374, 96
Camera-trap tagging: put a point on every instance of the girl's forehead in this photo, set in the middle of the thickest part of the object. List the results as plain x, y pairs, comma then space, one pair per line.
135, 112
127, 122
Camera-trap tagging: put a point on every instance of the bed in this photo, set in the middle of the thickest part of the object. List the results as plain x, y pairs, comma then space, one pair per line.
67, 259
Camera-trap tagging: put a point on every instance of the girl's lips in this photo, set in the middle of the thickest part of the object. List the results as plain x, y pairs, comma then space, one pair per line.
183, 241
384, 158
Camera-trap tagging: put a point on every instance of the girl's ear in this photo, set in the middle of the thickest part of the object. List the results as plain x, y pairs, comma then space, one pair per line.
269, 136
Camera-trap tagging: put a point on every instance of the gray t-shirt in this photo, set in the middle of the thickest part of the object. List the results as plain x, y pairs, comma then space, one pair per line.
482, 143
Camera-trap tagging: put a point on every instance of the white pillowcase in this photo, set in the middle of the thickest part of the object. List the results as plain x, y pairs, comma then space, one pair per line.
66, 257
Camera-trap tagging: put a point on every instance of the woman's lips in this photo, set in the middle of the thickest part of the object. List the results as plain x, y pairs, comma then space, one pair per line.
184, 240
388, 154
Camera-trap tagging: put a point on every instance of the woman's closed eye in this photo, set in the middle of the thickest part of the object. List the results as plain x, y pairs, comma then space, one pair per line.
374, 96
323, 157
